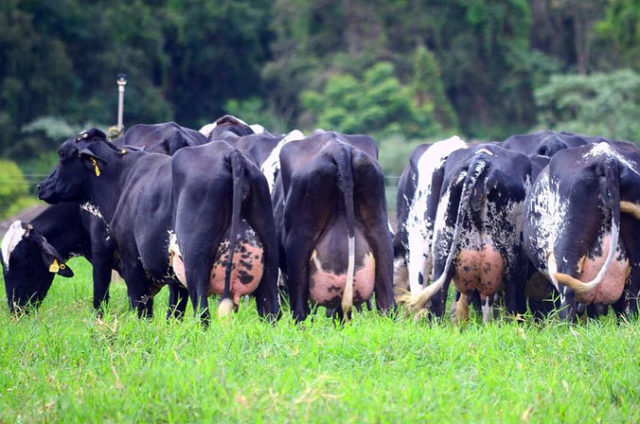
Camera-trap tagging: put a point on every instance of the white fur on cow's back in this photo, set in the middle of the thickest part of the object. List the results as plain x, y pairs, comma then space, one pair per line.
419, 231
607, 150
271, 165
10, 241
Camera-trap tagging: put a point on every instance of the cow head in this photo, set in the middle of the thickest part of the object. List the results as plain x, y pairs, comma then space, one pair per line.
551, 145
80, 159
29, 264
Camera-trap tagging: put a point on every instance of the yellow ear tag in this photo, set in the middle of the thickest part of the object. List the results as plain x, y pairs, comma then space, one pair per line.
95, 167
123, 151
54, 267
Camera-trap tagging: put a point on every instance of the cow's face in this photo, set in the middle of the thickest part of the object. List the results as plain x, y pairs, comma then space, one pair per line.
77, 163
29, 264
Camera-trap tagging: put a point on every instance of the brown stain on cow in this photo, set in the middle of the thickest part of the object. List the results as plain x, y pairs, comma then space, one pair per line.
479, 268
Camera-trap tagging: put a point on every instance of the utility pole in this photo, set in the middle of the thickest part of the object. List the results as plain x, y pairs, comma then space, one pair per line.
121, 81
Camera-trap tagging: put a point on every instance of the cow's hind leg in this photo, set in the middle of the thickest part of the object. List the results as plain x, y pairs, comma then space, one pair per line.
138, 288
371, 206
260, 217
307, 211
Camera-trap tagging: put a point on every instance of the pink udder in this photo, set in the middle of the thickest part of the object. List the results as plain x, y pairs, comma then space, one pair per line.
246, 271
614, 280
481, 269
325, 287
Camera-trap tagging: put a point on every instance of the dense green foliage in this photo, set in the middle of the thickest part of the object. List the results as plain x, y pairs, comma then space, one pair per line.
13, 189
64, 364
599, 104
408, 68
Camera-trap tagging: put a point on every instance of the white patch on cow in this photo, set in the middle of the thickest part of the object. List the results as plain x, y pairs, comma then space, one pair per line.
206, 129
176, 265
256, 128
419, 228
11, 239
547, 216
487, 311
606, 149
93, 210
271, 165
483, 150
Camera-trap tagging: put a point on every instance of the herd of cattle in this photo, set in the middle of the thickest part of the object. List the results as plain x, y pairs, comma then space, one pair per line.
545, 221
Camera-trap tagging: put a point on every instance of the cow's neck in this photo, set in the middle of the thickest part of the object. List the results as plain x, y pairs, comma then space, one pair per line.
105, 190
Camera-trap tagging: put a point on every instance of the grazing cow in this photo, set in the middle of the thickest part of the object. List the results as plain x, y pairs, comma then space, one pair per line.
175, 220
30, 260
229, 127
546, 143
37, 250
477, 231
582, 224
64, 226
416, 204
165, 137
334, 224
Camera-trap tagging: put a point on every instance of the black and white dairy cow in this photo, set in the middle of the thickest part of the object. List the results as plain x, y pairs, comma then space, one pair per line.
582, 226
416, 205
547, 142
30, 260
175, 220
477, 231
334, 224
165, 137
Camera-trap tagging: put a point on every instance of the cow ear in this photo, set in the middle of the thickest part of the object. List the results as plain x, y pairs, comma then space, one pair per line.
92, 161
53, 260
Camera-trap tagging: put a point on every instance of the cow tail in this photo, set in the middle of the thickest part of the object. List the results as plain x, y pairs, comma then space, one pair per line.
610, 191
238, 175
345, 184
419, 301
630, 208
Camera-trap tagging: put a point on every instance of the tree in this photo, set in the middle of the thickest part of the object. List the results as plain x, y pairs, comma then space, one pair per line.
376, 104
598, 104
428, 88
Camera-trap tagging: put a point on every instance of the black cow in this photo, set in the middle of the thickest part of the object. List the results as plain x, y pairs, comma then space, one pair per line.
416, 204
547, 142
30, 260
174, 220
477, 232
582, 225
65, 225
334, 224
165, 137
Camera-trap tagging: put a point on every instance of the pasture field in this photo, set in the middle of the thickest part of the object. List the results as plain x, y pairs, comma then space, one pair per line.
65, 364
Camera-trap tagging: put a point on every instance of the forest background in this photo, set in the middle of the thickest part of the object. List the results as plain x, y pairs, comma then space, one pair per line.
403, 71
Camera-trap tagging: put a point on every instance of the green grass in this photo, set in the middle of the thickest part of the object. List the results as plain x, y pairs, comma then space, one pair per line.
64, 364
